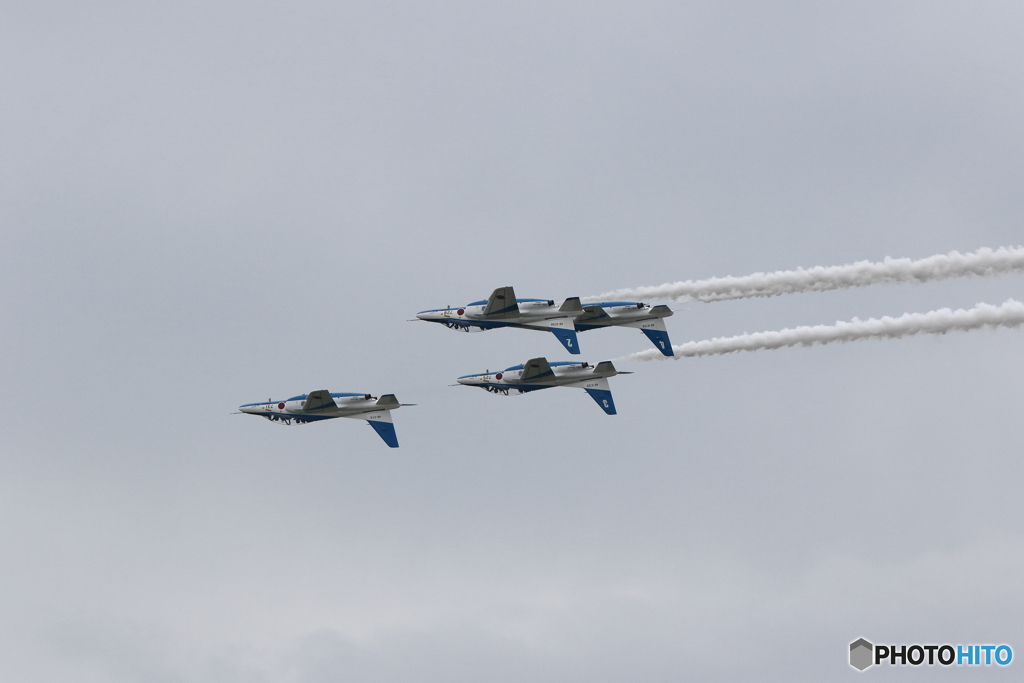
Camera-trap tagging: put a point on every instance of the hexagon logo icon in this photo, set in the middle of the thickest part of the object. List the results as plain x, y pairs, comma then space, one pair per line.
860, 654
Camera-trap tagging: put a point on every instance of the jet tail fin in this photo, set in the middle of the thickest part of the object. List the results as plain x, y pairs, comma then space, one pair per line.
386, 431
381, 422
568, 338
502, 303
602, 395
658, 336
655, 330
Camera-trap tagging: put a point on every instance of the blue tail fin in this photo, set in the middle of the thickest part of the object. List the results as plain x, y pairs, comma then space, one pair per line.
568, 339
604, 399
386, 430
660, 339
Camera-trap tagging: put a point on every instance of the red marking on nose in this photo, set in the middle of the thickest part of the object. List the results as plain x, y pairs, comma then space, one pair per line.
461, 311
498, 376
281, 406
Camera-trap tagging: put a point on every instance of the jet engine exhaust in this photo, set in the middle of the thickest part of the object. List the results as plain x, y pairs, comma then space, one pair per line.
1009, 314
983, 262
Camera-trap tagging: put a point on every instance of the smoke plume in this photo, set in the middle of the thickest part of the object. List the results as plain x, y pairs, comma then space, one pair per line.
1009, 314
984, 261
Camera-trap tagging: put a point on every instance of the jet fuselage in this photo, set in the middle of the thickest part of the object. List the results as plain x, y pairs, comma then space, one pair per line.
323, 405
538, 373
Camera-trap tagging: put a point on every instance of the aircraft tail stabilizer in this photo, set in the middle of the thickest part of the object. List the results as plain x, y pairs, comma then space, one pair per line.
571, 305
602, 395
386, 430
380, 418
381, 422
656, 331
592, 313
659, 338
568, 338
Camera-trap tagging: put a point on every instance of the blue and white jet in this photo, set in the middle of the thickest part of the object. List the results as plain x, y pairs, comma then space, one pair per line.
538, 373
323, 405
503, 309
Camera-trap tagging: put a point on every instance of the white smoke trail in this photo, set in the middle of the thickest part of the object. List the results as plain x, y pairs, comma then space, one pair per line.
1009, 314
985, 261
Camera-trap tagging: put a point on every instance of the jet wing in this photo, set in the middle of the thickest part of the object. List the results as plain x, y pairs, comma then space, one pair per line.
502, 303
318, 400
592, 313
536, 369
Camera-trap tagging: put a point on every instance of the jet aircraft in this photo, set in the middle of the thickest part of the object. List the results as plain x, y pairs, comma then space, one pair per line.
503, 309
323, 405
538, 373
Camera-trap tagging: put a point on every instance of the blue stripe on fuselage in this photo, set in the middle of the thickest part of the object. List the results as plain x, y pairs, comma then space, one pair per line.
554, 364
302, 417
486, 324
479, 303
513, 307
299, 398
557, 363
518, 387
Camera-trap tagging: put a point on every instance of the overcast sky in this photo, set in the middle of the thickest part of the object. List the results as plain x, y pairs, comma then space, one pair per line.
205, 204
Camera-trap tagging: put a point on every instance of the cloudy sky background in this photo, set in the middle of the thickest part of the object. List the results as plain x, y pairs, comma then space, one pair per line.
207, 204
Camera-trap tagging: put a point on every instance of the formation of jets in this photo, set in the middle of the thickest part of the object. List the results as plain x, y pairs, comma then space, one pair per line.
501, 309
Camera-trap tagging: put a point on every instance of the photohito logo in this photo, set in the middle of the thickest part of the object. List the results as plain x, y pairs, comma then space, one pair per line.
863, 654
